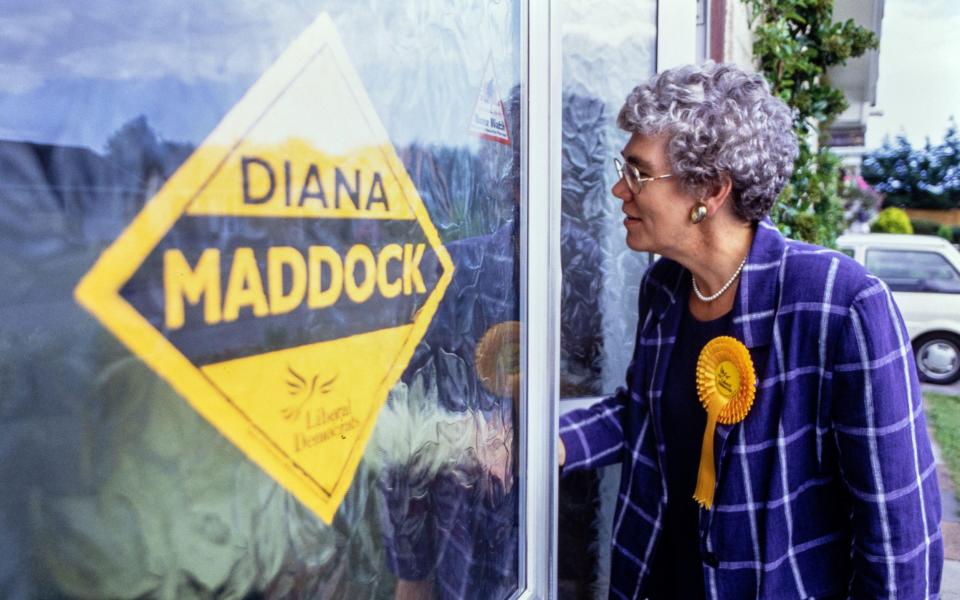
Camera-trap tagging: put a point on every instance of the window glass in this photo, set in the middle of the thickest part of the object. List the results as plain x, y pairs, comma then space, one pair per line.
910, 270
114, 486
601, 276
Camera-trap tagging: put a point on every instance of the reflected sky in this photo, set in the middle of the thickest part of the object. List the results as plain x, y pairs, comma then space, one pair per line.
72, 77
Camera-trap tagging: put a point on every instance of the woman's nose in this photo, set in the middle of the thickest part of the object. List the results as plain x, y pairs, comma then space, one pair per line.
620, 190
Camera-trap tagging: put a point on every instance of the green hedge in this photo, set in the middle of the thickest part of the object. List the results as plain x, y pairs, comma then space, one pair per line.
951, 233
925, 226
946, 232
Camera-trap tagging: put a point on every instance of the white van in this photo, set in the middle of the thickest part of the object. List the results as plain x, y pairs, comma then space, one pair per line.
924, 274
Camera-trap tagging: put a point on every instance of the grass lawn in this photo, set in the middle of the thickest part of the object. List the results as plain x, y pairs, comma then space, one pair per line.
943, 414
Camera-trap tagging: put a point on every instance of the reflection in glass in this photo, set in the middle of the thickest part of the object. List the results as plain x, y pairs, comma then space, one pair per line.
450, 490
601, 276
112, 485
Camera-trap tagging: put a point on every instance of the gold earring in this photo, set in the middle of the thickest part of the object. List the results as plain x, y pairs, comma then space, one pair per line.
699, 213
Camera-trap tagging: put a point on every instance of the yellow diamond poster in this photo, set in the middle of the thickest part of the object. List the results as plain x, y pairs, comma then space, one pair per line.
281, 279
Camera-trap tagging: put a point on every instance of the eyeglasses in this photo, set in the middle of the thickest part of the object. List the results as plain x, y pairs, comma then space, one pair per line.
631, 175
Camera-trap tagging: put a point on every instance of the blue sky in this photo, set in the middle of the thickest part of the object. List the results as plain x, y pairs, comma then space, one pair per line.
919, 81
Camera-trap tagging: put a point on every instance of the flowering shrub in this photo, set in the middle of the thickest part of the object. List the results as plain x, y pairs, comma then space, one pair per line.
861, 203
927, 177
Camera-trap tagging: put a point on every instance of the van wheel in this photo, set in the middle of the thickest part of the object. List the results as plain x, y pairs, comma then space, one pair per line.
938, 357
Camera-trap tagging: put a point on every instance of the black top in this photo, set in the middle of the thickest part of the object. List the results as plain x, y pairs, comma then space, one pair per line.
677, 569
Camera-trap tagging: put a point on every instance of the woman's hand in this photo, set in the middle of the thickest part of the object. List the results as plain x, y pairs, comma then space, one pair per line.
561, 452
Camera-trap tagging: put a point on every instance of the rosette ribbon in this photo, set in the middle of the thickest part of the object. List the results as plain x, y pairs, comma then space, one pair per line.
726, 386
497, 360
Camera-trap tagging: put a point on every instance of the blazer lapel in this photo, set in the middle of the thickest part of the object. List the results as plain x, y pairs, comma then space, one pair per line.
658, 337
754, 310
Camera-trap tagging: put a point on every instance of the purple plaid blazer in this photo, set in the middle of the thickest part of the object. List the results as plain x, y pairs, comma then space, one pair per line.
828, 486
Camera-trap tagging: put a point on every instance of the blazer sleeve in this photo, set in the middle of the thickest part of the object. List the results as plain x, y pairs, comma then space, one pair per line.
885, 456
594, 437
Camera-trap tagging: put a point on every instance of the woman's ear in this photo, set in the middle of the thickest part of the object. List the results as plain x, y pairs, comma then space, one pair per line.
717, 194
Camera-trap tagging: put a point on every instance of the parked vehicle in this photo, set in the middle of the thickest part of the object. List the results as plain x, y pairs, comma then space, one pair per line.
924, 274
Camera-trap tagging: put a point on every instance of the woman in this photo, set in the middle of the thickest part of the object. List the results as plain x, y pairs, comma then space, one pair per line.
812, 469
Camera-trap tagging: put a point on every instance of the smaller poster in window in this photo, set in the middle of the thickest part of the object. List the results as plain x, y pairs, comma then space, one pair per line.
489, 120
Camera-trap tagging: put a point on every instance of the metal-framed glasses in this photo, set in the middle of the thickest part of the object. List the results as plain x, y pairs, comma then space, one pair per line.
631, 175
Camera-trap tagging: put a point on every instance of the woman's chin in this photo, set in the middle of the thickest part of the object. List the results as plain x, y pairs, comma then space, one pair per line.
638, 244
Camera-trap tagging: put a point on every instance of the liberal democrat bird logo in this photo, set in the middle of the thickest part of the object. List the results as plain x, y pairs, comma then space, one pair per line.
303, 391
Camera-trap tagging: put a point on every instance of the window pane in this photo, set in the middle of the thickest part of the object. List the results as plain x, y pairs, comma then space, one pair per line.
113, 484
601, 276
908, 270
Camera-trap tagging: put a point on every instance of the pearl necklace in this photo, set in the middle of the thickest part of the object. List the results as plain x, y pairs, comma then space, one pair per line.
711, 298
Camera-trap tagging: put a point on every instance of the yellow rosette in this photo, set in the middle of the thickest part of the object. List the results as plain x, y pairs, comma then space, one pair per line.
726, 385
497, 359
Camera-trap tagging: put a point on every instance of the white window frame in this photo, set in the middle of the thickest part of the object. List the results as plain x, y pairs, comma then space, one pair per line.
540, 296
541, 137
679, 20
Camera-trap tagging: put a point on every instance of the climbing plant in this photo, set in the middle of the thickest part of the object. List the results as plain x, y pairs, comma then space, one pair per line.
795, 43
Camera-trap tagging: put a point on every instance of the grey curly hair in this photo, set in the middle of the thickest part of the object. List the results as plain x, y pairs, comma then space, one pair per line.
720, 119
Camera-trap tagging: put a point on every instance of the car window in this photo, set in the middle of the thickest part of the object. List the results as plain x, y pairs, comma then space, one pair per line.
913, 270
848, 251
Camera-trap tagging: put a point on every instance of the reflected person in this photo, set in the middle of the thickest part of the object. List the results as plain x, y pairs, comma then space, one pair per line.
809, 473
447, 437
